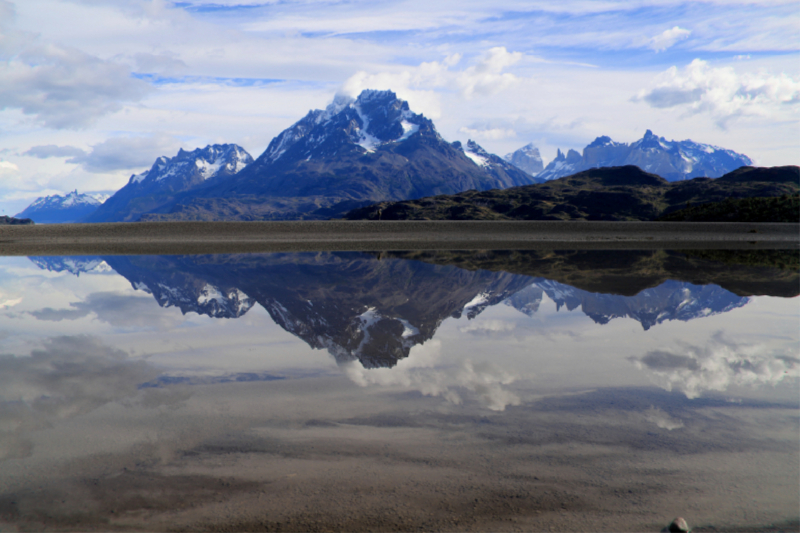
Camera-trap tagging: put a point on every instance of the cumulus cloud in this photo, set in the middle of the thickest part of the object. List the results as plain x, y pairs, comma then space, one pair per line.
126, 153
721, 92
694, 370
487, 77
418, 85
668, 38
52, 150
65, 88
420, 372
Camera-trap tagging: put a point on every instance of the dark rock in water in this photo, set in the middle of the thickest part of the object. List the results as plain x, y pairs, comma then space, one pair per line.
7, 220
678, 525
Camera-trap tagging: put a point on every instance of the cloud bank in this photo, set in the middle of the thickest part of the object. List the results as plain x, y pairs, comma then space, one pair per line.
65, 88
722, 93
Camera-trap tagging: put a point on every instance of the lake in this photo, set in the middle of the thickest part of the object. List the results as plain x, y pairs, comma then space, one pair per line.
582, 390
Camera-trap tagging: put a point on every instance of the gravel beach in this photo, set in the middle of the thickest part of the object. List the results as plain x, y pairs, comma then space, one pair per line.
295, 236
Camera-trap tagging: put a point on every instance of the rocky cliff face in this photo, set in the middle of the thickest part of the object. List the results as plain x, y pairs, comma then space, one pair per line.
527, 158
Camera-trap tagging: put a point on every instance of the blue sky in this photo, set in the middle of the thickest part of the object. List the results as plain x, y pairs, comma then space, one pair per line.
92, 91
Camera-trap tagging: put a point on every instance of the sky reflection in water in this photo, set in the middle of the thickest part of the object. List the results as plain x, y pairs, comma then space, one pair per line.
144, 365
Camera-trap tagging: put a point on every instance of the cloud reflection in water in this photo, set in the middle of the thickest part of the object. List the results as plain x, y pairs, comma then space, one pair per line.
422, 371
717, 366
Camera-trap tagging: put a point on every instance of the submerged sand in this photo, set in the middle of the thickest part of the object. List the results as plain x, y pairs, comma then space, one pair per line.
295, 236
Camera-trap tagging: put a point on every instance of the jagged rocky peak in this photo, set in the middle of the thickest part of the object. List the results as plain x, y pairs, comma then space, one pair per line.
527, 158
475, 152
372, 119
572, 156
215, 160
672, 160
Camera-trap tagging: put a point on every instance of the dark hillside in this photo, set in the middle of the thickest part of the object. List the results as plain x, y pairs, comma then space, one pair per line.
614, 193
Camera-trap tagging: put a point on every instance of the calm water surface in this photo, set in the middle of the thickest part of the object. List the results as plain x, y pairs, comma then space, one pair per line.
578, 391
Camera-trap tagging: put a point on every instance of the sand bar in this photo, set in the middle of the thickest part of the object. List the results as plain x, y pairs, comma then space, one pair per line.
167, 238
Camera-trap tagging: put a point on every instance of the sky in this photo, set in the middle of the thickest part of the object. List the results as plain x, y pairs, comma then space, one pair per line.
92, 91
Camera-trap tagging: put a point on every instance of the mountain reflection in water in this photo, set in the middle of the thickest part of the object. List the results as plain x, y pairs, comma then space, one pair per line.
374, 309
489, 391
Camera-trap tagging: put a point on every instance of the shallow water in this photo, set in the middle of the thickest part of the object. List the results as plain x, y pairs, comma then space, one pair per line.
400, 391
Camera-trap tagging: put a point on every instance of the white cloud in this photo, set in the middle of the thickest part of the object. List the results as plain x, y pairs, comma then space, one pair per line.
492, 134
7, 166
668, 38
694, 370
486, 77
65, 88
419, 372
722, 93
126, 153
419, 85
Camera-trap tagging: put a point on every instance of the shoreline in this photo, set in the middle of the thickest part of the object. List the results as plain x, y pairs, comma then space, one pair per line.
186, 238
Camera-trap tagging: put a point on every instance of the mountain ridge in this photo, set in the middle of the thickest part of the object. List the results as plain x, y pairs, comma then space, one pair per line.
672, 160
56, 209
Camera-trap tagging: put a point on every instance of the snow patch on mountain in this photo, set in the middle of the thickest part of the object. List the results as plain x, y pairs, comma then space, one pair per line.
203, 164
477, 159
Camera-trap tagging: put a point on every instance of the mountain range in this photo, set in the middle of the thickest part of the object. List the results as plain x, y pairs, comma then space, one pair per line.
353, 153
360, 151
672, 160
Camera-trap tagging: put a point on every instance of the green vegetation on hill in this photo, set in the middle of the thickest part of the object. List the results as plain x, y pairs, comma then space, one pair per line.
612, 193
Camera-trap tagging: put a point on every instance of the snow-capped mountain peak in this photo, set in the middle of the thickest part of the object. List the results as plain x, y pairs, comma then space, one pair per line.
373, 119
70, 199
202, 164
55, 208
